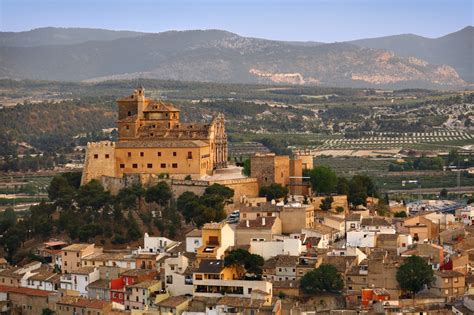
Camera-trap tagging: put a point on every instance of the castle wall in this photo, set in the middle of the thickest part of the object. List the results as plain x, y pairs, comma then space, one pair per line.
270, 168
158, 160
99, 161
296, 170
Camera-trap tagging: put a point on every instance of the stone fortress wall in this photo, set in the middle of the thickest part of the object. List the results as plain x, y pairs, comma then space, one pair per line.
99, 161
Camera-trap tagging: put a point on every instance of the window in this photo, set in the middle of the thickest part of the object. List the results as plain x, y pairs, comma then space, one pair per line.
65, 253
107, 156
142, 154
174, 153
77, 254
129, 154
122, 165
127, 127
446, 280
96, 156
190, 155
149, 165
135, 165
129, 113
175, 165
159, 153
163, 165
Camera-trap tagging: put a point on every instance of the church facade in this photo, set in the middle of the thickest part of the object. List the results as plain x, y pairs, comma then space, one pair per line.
153, 140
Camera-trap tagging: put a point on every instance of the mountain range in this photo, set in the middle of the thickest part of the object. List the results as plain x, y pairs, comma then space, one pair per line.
75, 54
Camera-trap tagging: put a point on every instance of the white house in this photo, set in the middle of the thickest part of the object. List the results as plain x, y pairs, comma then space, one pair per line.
284, 246
361, 238
353, 221
378, 225
193, 241
45, 279
155, 244
79, 279
178, 276
348, 251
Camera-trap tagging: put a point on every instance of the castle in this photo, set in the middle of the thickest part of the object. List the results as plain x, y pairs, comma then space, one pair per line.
152, 140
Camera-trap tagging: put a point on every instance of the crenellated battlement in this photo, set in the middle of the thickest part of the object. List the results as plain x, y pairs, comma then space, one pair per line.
101, 144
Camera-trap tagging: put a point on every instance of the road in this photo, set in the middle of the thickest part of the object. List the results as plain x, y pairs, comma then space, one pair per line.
465, 189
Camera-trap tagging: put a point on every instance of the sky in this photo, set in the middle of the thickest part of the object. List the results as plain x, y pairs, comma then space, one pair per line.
301, 20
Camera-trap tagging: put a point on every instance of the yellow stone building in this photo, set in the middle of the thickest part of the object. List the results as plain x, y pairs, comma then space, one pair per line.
153, 140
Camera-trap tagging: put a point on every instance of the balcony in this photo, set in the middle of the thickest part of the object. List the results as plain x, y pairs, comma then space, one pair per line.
208, 251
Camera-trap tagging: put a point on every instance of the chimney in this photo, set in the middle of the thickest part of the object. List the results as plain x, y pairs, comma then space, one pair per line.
247, 223
263, 221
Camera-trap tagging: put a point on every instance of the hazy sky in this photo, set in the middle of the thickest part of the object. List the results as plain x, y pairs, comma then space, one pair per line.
318, 20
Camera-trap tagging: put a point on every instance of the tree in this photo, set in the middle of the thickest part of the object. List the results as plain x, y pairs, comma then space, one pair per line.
326, 203
273, 191
9, 216
443, 194
47, 311
220, 190
61, 192
342, 186
360, 187
127, 196
246, 167
92, 196
414, 274
400, 214
159, 193
323, 179
325, 278
252, 263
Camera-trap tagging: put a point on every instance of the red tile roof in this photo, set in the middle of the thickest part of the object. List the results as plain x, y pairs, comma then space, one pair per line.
82, 302
25, 291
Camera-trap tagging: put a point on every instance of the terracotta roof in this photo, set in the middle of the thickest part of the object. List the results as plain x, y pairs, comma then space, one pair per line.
374, 221
259, 223
342, 263
100, 284
240, 302
25, 291
54, 243
353, 217
448, 273
161, 144
84, 270
46, 275
323, 229
194, 233
160, 106
137, 272
213, 225
12, 272
313, 241
76, 247
83, 303
281, 261
210, 266
173, 301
